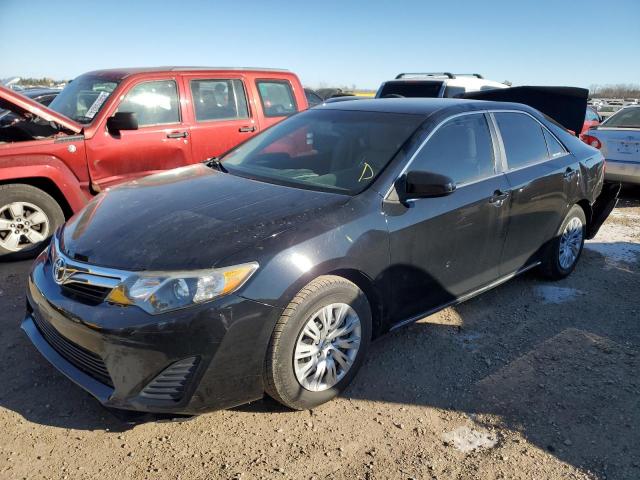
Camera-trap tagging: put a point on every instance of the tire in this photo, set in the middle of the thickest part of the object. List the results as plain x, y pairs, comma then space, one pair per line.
29, 200
554, 266
282, 371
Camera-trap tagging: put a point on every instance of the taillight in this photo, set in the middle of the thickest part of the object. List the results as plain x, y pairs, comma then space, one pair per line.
592, 141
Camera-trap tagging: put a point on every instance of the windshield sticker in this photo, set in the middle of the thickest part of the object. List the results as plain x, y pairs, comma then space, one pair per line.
96, 105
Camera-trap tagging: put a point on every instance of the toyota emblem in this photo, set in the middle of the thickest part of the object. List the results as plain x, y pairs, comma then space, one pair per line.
59, 270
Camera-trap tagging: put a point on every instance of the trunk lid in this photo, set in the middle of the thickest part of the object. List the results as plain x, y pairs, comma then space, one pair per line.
18, 103
621, 144
565, 105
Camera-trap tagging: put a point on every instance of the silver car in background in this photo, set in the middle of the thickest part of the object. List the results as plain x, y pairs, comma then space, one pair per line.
618, 138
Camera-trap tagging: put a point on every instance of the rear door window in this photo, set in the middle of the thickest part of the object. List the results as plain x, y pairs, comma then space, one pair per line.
219, 99
277, 98
523, 139
154, 103
461, 149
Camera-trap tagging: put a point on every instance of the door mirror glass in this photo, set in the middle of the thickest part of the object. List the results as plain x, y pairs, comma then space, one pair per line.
122, 121
419, 184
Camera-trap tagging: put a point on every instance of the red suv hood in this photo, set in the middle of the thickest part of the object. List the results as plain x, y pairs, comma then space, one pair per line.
20, 104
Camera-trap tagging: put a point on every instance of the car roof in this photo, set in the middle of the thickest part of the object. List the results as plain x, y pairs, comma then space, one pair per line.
420, 106
125, 72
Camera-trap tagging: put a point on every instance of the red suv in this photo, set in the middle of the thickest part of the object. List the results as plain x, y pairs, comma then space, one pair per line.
110, 126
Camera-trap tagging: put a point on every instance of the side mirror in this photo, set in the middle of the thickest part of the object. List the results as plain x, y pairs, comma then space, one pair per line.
122, 121
425, 185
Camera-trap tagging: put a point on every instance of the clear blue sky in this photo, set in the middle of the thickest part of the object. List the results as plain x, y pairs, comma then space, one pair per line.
329, 42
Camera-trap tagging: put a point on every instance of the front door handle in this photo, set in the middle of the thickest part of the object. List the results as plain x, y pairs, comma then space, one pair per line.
498, 197
177, 135
252, 128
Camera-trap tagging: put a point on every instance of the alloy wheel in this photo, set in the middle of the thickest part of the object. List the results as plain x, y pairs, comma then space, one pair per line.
570, 243
22, 225
327, 347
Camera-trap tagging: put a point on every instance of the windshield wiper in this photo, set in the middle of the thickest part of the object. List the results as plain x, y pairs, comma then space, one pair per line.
214, 162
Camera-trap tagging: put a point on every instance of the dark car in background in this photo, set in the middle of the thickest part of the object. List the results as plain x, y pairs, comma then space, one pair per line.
272, 268
43, 96
313, 98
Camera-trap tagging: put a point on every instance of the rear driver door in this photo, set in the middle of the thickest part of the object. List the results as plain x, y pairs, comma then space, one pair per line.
542, 176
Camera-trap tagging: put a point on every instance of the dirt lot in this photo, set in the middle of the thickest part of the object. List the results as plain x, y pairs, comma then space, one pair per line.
531, 380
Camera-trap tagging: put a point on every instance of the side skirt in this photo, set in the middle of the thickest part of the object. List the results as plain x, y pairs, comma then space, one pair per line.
464, 297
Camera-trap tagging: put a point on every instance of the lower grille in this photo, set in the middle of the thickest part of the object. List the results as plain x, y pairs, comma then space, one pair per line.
171, 384
82, 359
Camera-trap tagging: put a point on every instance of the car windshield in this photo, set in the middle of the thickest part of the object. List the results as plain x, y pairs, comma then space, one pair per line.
626, 118
331, 150
420, 89
83, 98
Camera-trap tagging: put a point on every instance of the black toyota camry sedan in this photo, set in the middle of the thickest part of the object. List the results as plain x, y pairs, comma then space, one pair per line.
272, 268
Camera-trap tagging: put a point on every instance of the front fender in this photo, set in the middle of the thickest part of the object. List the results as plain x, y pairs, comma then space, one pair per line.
13, 169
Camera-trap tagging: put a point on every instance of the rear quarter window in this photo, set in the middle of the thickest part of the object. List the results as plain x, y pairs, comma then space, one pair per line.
277, 98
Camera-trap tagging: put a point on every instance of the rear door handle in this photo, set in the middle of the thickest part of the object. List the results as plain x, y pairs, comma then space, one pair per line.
247, 129
498, 197
177, 135
569, 172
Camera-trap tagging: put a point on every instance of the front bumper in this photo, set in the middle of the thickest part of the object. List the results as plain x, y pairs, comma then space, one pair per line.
118, 353
623, 171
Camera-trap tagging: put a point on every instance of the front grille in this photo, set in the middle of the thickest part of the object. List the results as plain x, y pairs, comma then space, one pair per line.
171, 384
82, 359
86, 291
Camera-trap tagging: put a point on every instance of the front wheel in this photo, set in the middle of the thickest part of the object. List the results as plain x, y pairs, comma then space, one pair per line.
318, 344
28, 217
564, 249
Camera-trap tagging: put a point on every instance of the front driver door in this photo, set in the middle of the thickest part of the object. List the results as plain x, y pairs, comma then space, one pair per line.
443, 248
160, 143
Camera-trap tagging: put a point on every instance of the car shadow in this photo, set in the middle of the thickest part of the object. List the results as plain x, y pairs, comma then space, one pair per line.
561, 371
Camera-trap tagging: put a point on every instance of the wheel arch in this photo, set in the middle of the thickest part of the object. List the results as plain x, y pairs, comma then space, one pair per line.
364, 283
46, 185
48, 174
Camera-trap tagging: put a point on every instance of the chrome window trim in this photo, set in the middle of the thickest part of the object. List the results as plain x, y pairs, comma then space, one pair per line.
503, 156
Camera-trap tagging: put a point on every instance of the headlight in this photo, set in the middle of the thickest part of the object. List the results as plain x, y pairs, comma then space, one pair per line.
158, 292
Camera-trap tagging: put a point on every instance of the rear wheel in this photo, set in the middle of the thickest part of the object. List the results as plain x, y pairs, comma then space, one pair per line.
564, 250
28, 217
318, 344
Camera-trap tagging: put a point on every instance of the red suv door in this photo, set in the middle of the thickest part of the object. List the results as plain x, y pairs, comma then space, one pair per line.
220, 116
160, 143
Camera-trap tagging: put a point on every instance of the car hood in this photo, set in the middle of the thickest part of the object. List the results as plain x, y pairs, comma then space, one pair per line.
189, 218
20, 104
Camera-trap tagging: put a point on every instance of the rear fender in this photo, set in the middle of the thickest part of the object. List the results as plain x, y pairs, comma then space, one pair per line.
602, 207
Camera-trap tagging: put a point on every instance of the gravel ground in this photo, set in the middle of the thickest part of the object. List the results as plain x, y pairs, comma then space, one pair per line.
531, 380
